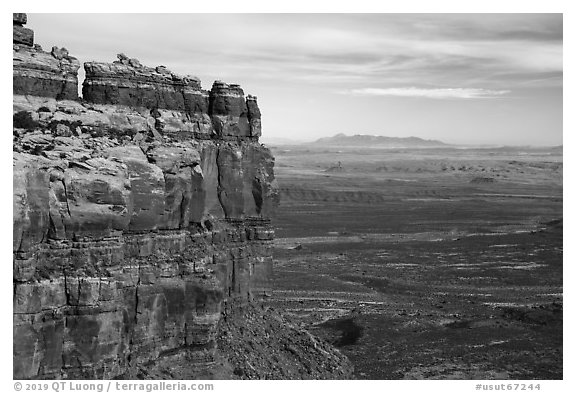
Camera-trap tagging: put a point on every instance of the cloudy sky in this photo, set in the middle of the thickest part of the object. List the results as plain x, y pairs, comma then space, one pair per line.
460, 78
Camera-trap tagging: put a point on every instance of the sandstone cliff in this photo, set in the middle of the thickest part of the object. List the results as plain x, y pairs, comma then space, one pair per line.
141, 216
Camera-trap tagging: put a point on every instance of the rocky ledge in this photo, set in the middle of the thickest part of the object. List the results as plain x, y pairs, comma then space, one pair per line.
223, 111
141, 216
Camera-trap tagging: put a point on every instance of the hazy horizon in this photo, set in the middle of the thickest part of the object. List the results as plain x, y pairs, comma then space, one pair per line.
458, 78
288, 141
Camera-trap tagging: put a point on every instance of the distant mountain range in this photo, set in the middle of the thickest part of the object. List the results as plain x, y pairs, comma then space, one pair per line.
271, 140
378, 141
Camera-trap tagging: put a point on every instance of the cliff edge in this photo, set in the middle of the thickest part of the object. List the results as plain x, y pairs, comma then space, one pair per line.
141, 227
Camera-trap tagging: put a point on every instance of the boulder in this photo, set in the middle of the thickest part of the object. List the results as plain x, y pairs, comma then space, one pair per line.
59, 53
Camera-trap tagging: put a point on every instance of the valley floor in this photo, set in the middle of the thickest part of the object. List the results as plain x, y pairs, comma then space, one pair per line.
443, 266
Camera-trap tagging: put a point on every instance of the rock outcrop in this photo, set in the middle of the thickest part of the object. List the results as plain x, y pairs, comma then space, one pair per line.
141, 216
40, 73
22, 35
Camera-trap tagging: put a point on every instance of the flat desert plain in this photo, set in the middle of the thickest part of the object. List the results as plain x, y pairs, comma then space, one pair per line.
441, 263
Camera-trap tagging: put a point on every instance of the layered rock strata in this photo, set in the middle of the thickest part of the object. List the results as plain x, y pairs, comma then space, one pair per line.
141, 220
22, 35
176, 103
129, 233
36, 72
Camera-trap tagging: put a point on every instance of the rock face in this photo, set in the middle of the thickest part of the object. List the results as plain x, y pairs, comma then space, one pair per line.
222, 112
40, 73
127, 82
22, 35
141, 216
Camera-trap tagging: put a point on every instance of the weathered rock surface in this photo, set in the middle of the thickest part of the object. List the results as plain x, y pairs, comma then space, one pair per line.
20, 19
170, 99
141, 216
254, 116
40, 73
224, 111
132, 228
23, 36
127, 82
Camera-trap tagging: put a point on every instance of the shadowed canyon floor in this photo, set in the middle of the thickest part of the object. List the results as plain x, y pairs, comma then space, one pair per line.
425, 264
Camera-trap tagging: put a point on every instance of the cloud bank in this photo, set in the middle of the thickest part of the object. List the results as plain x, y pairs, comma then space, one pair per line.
438, 93
490, 78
